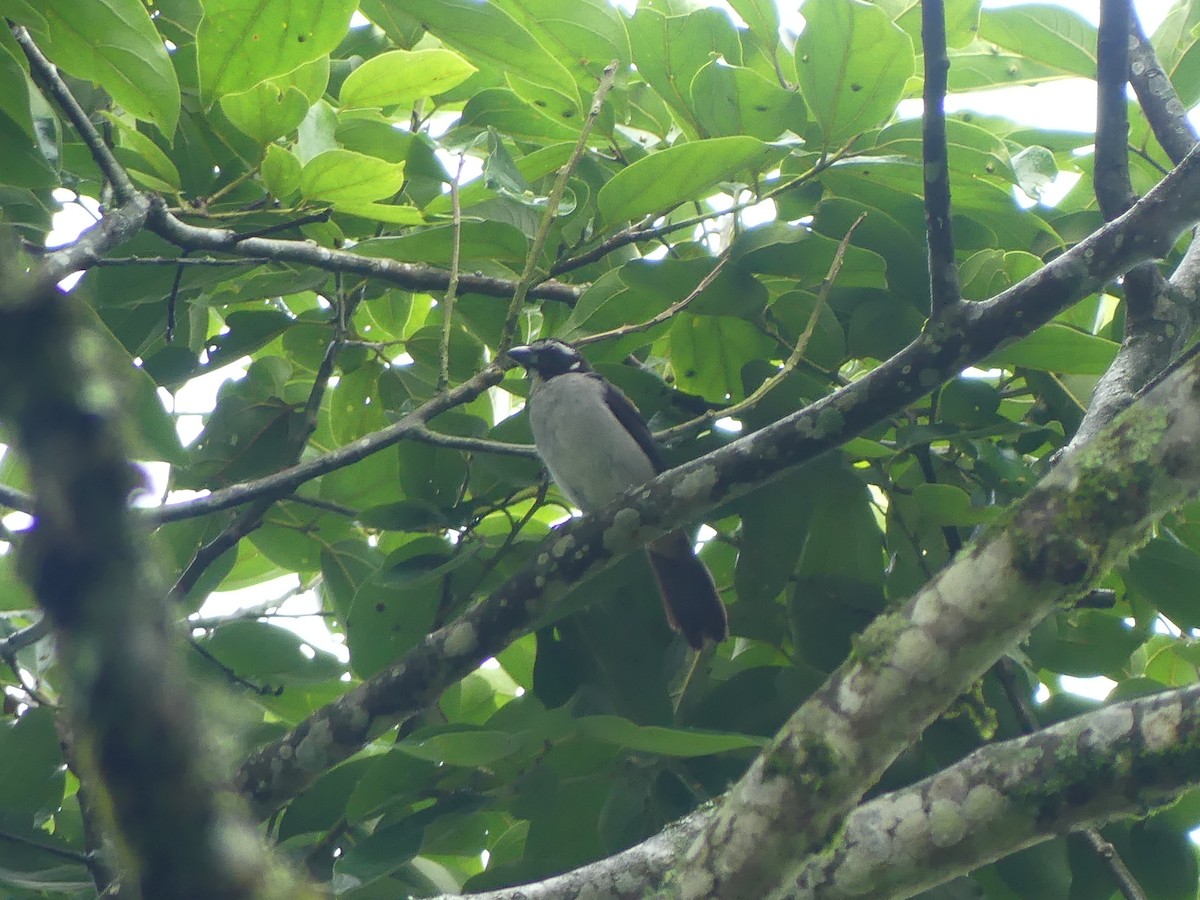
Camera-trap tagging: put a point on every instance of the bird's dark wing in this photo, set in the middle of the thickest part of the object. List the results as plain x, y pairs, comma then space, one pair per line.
627, 414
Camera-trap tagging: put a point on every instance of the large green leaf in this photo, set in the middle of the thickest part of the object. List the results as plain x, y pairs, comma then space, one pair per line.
853, 64
240, 44
343, 177
403, 77
1045, 33
669, 51
130, 62
664, 741
488, 35
1058, 348
275, 107
667, 178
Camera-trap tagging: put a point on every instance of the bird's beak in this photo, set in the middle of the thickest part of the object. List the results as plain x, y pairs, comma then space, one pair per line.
524, 355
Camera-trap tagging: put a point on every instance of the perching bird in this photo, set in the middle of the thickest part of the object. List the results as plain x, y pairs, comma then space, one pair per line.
597, 445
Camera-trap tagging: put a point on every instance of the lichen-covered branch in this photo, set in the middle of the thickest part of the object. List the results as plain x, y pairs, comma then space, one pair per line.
1117, 762
84, 559
588, 545
909, 664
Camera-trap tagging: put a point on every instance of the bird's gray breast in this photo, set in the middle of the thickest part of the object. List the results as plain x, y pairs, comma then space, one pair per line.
590, 455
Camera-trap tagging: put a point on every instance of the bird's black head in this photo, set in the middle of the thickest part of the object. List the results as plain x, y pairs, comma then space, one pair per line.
550, 357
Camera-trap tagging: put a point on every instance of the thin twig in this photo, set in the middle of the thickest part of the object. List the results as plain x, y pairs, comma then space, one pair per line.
663, 316
183, 261
61, 852
793, 359
552, 202
452, 288
643, 231
290, 225
1166, 113
287, 480
250, 518
944, 292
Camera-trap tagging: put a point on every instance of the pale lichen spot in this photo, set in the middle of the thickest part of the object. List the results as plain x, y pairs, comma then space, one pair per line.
947, 826
829, 421
697, 484
461, 640
622, 533
312, 753
983, 803
1159, 727
849, 700
563, 546
915, 652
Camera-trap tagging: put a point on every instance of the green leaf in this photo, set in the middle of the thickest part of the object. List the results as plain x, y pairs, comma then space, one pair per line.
679, 742
276, 107
240, 44
945, 504
763, 18
982, 65
402, 77
149, 157
1047, 34
853, 64
672, 176
384, 212
1058, 348
708, 352
281, 172
471, 748
583, 36
379, 854
731, 100
1165, 573
130, 62
507, 112
345, 177
258, 650
486, 34
31, 777
434, 245
14, 90
670, 50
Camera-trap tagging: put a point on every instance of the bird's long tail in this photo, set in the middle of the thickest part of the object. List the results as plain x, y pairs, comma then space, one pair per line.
689, 596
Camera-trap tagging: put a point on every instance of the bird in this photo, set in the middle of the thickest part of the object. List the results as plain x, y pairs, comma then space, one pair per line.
596, 445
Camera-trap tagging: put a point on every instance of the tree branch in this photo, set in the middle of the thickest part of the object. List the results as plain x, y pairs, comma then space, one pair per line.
1160, 316
409, 276
1116, 762
1164, 111
590, 544
412, 425
909, 664
944, 290
84, 562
